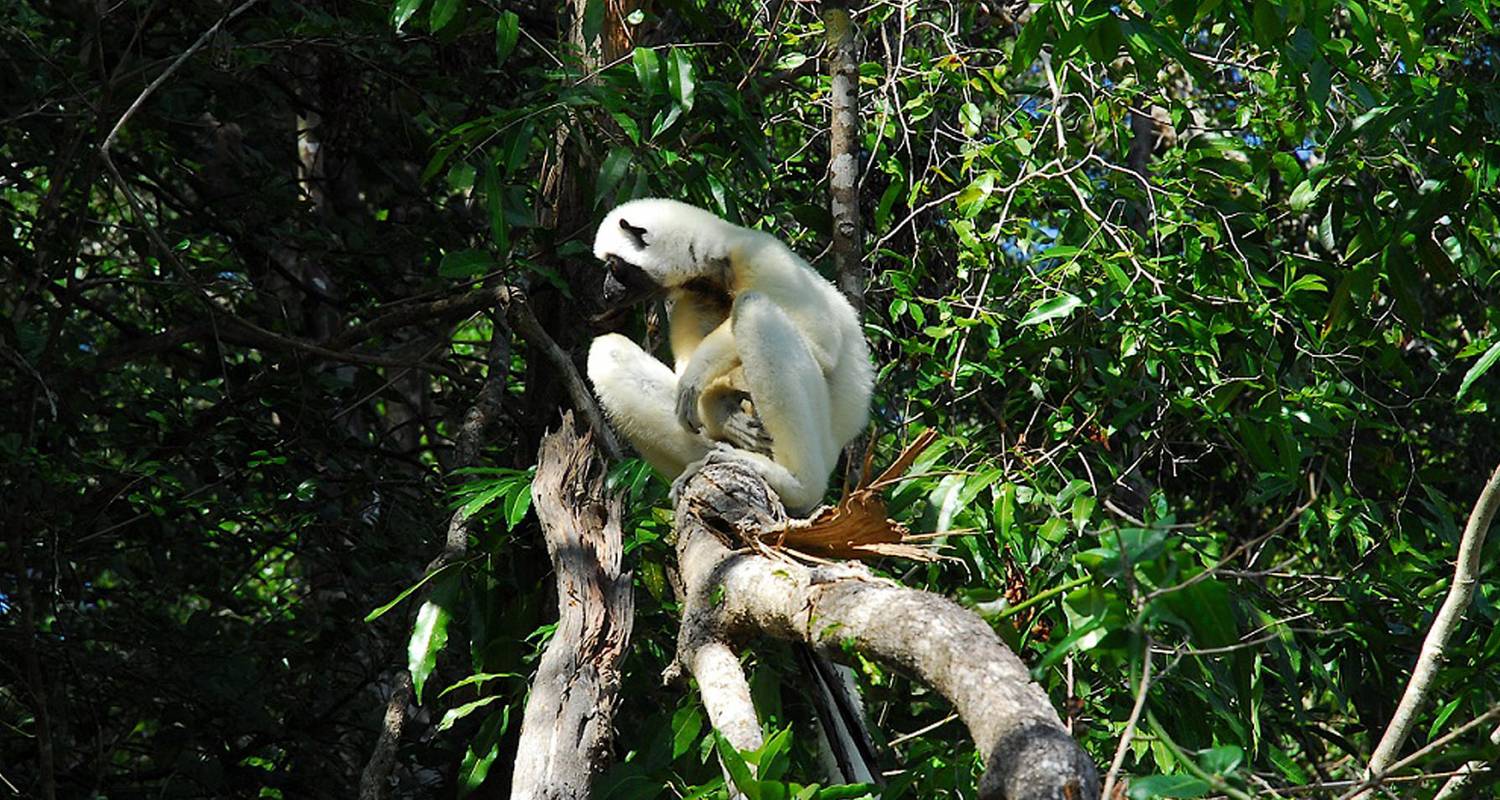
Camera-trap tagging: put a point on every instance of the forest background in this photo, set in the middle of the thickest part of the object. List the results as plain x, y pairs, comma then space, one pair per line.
1201, 297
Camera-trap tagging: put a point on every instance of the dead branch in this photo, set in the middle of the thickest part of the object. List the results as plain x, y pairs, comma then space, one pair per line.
567, 728
518, 307
736, 595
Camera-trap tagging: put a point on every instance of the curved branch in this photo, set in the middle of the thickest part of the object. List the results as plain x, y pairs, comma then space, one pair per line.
1028, 753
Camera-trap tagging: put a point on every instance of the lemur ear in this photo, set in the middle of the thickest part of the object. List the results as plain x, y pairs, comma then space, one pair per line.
635, 233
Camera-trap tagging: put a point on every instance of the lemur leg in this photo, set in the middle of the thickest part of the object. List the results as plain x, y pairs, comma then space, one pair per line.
791, 399
638, 393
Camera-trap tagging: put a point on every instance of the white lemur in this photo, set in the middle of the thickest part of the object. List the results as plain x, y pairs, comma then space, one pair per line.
750, 323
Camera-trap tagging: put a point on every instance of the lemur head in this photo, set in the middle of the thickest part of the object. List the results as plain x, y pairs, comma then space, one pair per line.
652, 245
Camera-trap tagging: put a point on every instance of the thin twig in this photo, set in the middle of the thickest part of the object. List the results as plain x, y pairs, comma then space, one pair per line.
523, 319
1130, 726
168, 72
1456, 784
1437, 744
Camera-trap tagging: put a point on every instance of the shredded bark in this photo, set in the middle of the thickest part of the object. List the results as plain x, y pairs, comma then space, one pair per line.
568, 725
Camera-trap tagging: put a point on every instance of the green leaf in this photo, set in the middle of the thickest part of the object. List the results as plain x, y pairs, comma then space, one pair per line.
687, 723
947, 497
627, 124
403, 11
1480, 367
1286, 765
1167, 786
517, 146
479, 678
1206, 609
735, 765
1222, 760
1029, 43
494, 199
610, 172
507, 33
465, 264
482, 497
594, 12
968, 117
517, 505
377, 613
1326, 231
647, 70
482, 751
1056, 308
680, 78
664, 120
1304, 195
430, 632
456, 714
443, 12
1267, 22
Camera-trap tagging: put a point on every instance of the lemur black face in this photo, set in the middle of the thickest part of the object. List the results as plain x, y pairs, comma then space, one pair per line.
625, 283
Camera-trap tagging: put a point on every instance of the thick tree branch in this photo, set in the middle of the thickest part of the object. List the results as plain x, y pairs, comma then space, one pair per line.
567, 728
1465, 577
1028, 752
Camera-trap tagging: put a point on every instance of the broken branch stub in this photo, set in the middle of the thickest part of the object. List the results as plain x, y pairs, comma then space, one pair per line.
568, 725
735, 595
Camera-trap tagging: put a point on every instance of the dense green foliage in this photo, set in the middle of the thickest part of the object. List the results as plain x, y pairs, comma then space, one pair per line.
1202, 297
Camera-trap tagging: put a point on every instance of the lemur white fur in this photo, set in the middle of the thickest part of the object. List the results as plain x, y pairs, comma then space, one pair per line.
804, 357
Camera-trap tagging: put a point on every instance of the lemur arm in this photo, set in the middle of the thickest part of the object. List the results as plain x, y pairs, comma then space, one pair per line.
714, 356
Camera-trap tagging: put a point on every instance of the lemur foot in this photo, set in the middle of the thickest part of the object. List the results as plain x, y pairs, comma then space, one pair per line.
717, 454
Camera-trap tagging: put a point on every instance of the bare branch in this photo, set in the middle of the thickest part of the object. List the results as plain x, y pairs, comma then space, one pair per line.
843, 151
1376, 778
1465, 577
1130, 725
1457, 785
526, 324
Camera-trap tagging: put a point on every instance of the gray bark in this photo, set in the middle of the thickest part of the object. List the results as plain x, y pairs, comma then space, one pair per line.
1028, 753
843, 152
568, 724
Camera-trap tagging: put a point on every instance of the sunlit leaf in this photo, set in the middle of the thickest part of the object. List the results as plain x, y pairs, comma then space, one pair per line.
1478, 369
403, 11
430, 631
680, 78
1056, 308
